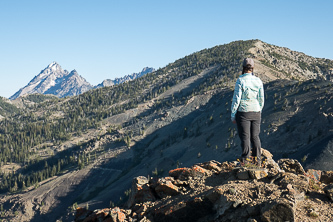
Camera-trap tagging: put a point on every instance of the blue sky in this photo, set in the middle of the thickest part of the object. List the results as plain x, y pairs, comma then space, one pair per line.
108, 39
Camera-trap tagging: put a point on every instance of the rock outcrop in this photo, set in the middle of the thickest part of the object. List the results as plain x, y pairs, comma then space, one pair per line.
213, 191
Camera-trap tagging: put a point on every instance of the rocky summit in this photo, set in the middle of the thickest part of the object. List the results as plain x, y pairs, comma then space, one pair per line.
275, 191
84, 151
54, 80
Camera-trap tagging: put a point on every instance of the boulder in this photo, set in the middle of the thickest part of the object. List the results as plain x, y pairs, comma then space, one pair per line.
117, 215
199, 172
139, 210
212, 165
278, 210
141, 191
139, 181
298, 196
165, 187
219, 200
245, 174
266, 154
106, 215
212, 191
299, 183
184, 173
180, 173
242, 174
326, 177
214, 194
291, 165
329, 191
81, 214
258, 173
188, 210
97, 215
272, 167
313, 174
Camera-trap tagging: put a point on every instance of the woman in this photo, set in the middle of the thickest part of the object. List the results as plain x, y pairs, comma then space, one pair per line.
247, 103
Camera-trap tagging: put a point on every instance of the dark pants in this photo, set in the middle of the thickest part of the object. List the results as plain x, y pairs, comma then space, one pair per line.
248, 125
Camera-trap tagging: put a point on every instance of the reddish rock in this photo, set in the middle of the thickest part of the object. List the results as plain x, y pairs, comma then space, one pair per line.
180, 173
117, 215
81, 214
211, 192
166, 187
212, 165
313, 174
198, 171
185, 173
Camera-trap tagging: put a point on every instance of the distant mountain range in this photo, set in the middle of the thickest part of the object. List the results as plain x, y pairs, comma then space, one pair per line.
61, 83
84, 151
109, 82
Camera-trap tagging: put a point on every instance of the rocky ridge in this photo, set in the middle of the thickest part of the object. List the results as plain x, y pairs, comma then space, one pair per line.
168, 132
274, 62
109, 82
213, 191
54, 80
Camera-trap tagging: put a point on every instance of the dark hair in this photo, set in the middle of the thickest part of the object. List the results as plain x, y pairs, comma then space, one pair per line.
247, 68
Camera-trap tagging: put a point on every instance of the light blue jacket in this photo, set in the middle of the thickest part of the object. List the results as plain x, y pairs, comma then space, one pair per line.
248, 95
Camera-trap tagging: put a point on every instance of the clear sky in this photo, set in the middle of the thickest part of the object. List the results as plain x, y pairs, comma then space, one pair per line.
105, 39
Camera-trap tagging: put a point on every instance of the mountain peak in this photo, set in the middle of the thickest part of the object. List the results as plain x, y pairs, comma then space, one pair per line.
53, 64
53, 67
54, 80
116, 81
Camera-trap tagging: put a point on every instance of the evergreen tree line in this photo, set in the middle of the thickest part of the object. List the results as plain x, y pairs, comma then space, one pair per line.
55, 120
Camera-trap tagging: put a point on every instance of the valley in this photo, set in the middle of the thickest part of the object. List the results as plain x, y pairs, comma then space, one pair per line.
85, 150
